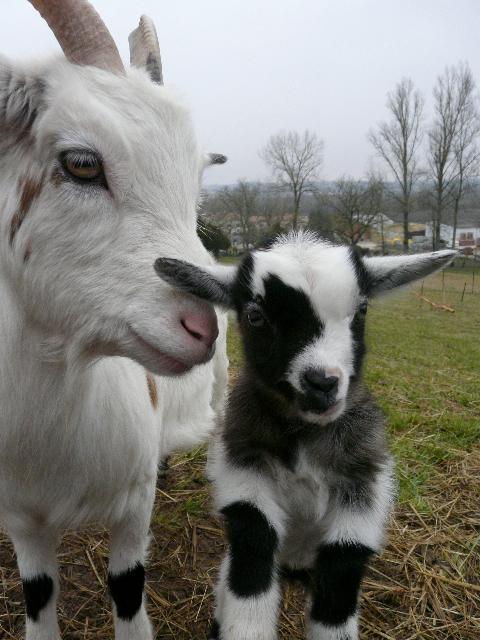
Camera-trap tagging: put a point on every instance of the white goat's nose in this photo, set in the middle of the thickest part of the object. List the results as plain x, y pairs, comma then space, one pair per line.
202, 327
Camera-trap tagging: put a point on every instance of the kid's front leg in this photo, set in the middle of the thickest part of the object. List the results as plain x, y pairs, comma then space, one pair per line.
247, 592
355, 531
126, 574
338, 573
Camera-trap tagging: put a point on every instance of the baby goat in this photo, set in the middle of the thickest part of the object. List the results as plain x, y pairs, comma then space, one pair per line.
301, 467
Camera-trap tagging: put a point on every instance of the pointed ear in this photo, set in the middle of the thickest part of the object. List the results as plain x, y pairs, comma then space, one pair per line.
213, 284
21, 97
385, 273
214, 158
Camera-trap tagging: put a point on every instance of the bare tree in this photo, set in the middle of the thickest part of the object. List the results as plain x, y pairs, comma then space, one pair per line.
295, 160
356, 205
452, 94
271, 207
465, 149
322, 220
212, 207
397, 142
241, 200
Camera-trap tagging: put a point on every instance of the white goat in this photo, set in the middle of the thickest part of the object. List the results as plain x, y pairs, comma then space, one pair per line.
99, 173
301, 468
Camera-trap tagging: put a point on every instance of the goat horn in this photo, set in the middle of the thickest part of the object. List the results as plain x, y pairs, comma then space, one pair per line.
145, 50
82, 34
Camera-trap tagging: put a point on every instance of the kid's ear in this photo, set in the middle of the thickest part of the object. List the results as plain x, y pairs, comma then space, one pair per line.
21, 97
385, 273
215, 158
213, 284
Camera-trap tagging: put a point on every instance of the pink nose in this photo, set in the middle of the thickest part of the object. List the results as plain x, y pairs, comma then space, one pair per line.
203, 328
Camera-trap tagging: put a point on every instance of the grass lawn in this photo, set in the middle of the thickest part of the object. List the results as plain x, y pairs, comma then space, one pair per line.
424, 368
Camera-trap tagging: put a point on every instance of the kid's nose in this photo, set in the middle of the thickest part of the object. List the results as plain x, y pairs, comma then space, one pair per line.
316, 381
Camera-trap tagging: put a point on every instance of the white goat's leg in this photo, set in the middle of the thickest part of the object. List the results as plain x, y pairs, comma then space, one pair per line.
37, 563
248, 592
126, 574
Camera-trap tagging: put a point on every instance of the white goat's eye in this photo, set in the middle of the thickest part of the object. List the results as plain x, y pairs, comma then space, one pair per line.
84, 166
255, 318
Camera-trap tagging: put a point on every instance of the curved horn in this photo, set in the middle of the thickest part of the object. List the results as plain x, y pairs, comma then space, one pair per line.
81, 33
145, 50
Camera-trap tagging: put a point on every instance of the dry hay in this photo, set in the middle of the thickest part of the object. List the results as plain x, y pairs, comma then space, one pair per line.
426, 585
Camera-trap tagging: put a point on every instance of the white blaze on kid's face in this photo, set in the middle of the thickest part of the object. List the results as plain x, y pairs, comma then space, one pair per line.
326, 275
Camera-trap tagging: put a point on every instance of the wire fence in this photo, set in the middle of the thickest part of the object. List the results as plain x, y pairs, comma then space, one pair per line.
453, 287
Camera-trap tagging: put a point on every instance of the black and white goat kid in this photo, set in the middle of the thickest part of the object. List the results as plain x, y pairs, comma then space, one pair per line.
301, 468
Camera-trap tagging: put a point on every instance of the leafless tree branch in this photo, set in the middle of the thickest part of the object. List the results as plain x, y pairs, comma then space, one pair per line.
452, 154
357, 206
397, 142
295, 160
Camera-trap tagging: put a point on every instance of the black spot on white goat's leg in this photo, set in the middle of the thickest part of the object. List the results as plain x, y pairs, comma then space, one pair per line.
37, 563
37, 592
338, 574
247, 590
126, 589
126, 573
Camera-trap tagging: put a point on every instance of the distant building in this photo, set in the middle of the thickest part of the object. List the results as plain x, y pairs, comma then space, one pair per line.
392, 233
467, 237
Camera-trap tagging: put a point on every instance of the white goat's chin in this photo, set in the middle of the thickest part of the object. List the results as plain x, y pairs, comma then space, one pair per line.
155, 360
130, 344
325, 417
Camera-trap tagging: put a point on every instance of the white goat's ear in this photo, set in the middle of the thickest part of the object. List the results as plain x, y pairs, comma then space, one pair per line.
385, 273
20, 101
213, 284
214, 158
145, 50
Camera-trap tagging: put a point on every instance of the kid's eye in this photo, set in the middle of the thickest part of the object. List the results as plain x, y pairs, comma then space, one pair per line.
255, 317
362, 309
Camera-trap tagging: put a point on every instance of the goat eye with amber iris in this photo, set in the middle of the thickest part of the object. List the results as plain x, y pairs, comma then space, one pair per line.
83, 166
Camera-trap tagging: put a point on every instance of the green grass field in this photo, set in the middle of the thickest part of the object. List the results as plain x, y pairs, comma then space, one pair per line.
424, 368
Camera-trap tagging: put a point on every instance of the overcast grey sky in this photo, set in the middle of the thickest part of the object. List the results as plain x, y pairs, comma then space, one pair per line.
249, 68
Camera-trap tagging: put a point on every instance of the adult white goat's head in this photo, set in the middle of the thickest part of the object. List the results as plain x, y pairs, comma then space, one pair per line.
301, 306
99, 174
